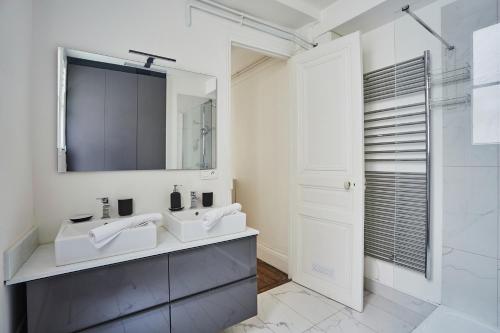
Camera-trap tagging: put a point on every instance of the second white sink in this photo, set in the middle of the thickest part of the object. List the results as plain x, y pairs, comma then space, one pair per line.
72, 243
187, 225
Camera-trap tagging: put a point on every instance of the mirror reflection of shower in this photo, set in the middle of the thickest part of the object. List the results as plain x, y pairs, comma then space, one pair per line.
206, 134
197, 142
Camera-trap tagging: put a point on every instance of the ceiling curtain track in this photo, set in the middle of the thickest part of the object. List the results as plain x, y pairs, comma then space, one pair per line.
246, 20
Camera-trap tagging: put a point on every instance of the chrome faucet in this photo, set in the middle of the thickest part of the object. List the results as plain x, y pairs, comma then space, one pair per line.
105, 207
194, 199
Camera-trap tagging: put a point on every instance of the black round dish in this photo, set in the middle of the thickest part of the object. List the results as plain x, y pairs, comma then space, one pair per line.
80, 218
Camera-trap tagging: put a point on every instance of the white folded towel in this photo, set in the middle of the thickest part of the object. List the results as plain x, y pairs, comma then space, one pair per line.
104, 234
212, 217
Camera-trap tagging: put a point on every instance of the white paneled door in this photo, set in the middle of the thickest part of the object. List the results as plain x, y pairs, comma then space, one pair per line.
327, 187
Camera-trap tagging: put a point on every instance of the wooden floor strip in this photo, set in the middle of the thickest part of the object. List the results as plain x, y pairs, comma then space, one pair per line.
269, 277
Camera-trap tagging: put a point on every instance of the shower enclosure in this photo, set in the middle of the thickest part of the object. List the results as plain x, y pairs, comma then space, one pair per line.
462, 40
465, 131
196, 134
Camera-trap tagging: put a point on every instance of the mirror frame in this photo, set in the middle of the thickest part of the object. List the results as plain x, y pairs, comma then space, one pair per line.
63, 52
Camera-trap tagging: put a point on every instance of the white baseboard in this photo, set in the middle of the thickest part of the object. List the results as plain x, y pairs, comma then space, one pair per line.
413, 303
272, 257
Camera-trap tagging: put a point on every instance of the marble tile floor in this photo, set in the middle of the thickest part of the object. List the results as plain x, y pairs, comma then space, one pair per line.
293, 308
445, 319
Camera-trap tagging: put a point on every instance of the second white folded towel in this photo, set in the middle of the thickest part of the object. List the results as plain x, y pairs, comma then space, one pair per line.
212, 217
104, 234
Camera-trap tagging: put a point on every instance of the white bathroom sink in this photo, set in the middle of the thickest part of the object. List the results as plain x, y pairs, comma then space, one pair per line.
73, 245
187, 225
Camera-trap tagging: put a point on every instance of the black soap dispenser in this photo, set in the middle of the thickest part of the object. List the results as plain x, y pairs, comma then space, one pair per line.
175, 200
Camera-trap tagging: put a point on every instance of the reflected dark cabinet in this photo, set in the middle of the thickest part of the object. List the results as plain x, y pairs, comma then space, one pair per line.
85, 118
115, 117
151, 123
120, 121
205, 289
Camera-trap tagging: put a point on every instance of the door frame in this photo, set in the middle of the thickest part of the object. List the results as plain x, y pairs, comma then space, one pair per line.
270, 49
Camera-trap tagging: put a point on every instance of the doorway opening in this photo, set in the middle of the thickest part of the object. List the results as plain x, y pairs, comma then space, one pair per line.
260, 156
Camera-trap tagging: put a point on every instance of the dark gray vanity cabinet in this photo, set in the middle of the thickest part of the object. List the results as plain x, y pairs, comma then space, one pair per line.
74, 301
205, 268
204, 289
156, 320
215, 310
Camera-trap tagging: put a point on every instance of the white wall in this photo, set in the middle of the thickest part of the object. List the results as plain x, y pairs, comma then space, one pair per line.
260, 155
16, 203
113, 27
400, 40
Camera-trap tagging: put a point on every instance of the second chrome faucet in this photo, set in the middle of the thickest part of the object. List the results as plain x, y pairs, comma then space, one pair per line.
105, 207
194, 199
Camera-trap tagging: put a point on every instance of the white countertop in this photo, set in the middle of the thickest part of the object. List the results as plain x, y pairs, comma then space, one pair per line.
42, 262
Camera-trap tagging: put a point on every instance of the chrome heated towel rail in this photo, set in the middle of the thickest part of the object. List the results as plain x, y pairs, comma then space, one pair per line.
398, 161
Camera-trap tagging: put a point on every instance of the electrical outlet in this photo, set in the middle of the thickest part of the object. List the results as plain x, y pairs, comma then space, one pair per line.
208, 174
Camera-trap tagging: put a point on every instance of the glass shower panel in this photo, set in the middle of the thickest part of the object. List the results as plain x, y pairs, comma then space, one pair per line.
464, 131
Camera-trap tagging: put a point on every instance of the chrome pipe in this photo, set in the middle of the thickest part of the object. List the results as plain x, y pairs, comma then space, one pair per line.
395, 82
396, 89
422, 190
391, 134
427, 63
395, 108
391, 67
411, 219
395, 182
385, 143
406, 9
235, 16
395, 160
395, 151
415, 200
391, 246
397, 187
399, 116
392, 201
388, 173
400, 240
395, 76
411, 123
407, 238
416, 196
394, 94
388, 206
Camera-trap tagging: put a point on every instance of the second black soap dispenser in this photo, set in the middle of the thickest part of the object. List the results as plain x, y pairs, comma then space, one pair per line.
175, 200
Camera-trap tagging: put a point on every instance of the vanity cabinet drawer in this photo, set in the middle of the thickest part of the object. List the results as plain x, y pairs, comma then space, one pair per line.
215, 310
156, 320
196, 270
74, 301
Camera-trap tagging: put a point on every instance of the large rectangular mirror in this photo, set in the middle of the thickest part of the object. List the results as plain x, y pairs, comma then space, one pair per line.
116, 114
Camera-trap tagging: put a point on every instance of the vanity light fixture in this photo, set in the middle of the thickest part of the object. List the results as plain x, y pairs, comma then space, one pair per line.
151, 57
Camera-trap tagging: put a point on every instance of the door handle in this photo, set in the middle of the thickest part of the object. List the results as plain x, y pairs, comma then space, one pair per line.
347, 185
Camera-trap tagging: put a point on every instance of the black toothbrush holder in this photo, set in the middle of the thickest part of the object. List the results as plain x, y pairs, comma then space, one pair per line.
207, 199
125, 207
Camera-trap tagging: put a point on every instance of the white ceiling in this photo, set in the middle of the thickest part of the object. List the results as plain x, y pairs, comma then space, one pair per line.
320, 4
293, 14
